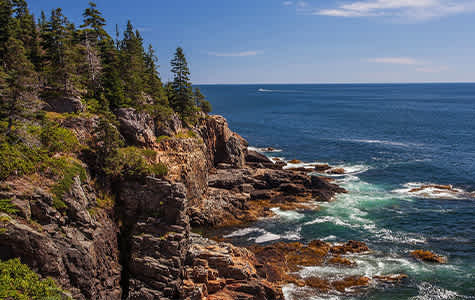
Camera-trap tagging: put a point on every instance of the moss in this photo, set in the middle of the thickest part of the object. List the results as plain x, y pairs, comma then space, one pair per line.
18, 282
7, 207
105, 201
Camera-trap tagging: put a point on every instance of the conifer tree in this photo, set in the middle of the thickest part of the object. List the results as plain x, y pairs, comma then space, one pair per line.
94, 23
133, 65
18, 83
201, 101
181, 98
112, 83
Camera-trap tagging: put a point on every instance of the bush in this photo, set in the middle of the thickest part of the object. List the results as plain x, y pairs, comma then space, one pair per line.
19, 159
186, 135
58, 139
67, 169
17, 281
134, 162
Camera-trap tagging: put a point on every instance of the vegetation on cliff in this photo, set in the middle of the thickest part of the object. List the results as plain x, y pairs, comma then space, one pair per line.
18, 282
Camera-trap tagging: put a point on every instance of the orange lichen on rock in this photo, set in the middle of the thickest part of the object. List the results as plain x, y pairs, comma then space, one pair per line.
392, 278
338, 260
428, 256
350, 247
351, 282
337, 171
295, 161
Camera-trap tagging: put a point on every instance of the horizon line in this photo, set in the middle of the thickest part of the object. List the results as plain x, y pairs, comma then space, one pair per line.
336, 83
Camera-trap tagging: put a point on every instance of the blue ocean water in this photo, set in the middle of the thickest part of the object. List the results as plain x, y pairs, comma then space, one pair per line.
390, 138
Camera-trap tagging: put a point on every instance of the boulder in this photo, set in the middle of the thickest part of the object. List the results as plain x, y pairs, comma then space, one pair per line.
66, 104
136, 127
428, 256
253, 156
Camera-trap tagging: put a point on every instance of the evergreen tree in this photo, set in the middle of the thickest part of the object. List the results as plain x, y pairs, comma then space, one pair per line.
181, 98
153, 83
133, 66
201, 101
112, 83
94, 23
6, 12
18, 83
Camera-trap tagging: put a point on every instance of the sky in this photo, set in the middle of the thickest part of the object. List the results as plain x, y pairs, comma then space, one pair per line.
312, 41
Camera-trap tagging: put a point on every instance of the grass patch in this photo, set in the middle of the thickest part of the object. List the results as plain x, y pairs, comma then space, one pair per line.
189, 134
19, 159
162, 138
18, 282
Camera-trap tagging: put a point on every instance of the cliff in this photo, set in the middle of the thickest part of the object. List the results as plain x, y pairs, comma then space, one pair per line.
130, 238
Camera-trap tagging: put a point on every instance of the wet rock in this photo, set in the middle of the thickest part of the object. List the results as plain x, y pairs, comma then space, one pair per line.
392, 278
428, 256
338, 260
322, 167
256, 157
337, 171
294, 161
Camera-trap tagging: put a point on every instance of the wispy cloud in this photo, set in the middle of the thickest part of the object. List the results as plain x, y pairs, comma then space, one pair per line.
407, 9
235, 54
420, 66
287, 3
395, 60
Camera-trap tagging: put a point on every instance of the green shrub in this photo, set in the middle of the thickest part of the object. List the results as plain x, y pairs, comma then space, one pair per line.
19, 159
134, 162
7, 207
68, 169
58, 139
18, 282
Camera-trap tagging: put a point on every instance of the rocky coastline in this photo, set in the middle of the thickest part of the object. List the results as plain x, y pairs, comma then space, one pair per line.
143, 247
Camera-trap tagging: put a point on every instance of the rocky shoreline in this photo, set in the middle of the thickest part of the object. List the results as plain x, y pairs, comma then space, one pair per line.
142, 246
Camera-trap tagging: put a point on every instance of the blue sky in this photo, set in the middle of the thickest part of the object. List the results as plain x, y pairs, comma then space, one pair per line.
312, 41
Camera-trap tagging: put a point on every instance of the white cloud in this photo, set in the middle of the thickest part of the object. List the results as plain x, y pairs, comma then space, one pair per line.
395, 60
407, 9
287, 3
302, 4
235, 54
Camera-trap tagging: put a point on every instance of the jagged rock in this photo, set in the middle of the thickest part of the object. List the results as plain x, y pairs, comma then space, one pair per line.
256, 157
169, 127
136, 127
350, 247
67, 104
77, 249
224, 146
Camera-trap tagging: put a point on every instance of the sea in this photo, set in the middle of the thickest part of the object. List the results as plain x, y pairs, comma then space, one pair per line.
398, 143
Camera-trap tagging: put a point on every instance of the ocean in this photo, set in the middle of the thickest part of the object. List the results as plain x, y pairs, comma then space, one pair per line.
393, 140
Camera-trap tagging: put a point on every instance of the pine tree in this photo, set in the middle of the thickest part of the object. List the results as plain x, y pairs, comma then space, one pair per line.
94, 23
18, 83
112, 83
133, 66
201, 101
181, 98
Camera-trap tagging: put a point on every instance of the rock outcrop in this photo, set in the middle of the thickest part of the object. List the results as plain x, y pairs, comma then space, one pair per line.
136, 127
77, 246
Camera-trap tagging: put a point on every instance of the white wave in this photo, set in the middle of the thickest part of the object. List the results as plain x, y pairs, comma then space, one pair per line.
427, 291
308, 165
383, 142
244, 232
264, 90
287, 214
263, 149
330, 219
329, 238
266, 237
432, 191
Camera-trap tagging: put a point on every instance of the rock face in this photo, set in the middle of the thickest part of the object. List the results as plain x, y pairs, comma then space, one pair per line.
155, 238
64, 105
136, 127
222, 271
428, 256
224, 146
78, 248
